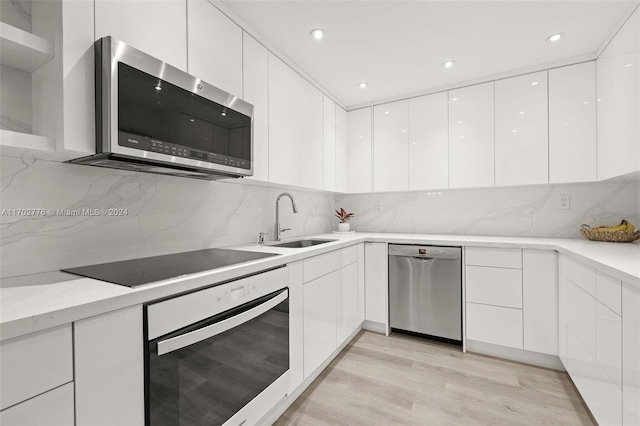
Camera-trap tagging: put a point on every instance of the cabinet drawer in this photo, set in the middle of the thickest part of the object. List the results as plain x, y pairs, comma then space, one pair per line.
34, 364
494, 324
494, 286
581, 275
53, 408
496, 257
318, 266
609, 292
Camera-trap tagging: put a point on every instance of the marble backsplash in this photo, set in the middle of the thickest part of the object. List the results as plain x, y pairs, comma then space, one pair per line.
159, 215
163, 214
530, 211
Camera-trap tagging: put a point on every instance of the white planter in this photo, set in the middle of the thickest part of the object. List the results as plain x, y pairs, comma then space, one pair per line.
344, 227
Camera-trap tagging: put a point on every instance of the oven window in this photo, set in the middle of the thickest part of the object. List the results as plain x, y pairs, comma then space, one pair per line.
207, 382
150, 108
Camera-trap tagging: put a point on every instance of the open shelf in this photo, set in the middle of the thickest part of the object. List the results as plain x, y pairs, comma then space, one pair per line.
23, 50
26, 141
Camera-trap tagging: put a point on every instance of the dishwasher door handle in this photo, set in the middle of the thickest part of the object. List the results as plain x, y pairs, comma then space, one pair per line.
424, 259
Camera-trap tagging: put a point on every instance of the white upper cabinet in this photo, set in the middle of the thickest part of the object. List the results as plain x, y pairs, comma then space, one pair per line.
341, 149
471, 136
521, 134
329, 120
284, 131
295, 128
572, 123
311, 132
214, 47
618, 70
429, 142
255, 60
157, 27
359, 150
390, 146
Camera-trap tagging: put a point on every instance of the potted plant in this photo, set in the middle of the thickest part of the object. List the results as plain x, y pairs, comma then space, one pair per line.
344, 217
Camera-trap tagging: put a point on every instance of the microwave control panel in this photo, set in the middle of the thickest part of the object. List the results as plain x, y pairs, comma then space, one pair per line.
146, 143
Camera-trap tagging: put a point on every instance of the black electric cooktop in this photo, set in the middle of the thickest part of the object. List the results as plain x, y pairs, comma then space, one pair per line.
135, 272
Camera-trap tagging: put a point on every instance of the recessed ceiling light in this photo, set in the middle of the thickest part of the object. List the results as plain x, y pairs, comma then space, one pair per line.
535, 83
362, 85
454, 99
459, 121
448, 64
555, 37
386, 112
514, 131
317, 34
521, 112
628, 65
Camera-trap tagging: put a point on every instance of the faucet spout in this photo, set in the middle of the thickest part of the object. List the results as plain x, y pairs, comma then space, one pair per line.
276, 228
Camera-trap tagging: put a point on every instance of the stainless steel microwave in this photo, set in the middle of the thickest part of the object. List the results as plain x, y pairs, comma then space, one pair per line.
153, 117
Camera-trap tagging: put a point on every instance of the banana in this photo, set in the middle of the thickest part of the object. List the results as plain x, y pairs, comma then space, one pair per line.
622, 226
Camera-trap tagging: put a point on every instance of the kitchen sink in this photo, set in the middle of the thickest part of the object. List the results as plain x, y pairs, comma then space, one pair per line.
301, 243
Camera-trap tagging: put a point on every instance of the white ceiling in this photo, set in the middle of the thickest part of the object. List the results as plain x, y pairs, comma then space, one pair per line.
398, 46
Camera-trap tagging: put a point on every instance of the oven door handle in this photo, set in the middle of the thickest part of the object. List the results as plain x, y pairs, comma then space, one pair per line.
178, 342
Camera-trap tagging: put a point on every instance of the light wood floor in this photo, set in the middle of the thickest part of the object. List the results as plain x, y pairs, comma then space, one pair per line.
405, 380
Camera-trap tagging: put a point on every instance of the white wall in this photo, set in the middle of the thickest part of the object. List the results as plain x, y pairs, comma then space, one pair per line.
521, 211
165, 214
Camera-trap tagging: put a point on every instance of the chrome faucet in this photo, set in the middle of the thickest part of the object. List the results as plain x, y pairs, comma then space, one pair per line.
276, 228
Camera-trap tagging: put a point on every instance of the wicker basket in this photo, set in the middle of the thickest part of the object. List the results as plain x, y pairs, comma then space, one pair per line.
594, 234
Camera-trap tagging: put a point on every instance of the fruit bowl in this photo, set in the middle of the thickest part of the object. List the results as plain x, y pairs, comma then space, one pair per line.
623, 233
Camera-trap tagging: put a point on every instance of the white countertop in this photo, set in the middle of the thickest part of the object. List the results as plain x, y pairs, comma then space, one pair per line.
36, 302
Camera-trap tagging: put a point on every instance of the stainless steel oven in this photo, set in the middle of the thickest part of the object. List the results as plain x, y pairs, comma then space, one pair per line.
227, 365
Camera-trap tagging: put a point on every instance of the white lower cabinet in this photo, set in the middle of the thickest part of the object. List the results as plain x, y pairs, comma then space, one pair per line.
34, 364
376, 286
53, 408
333, 299
320, 317
540, 301
37, 379
348, 302
511, 298
494, 296
591, 338
109, 368
494, 324
630, 354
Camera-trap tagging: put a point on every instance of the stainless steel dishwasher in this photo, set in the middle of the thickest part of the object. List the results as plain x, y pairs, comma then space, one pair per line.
425, 290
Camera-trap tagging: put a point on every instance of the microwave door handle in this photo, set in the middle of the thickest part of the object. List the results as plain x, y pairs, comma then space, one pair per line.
178, 342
